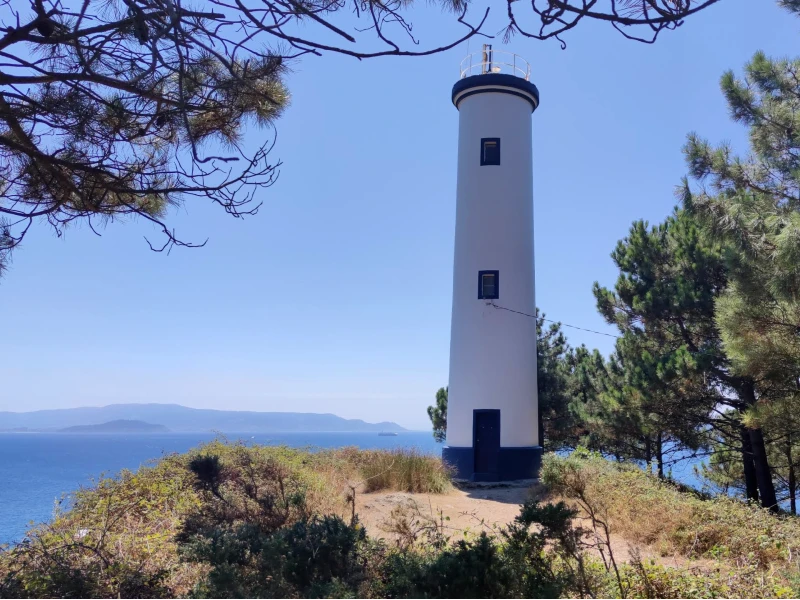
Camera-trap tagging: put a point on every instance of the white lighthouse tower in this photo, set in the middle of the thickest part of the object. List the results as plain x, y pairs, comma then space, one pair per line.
492, 409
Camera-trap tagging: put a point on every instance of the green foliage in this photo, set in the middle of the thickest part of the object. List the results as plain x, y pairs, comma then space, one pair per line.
606, 408
667, 372
470, 568
438, 415
518, 562
404, 470
756, 210
646, 579
230, 521
115, 541
157, 532
554, 364
206, 468
320, 551
751, 205
648, 511
663, 303
674, 377
790, 5
256, 534
319, 557
723, 470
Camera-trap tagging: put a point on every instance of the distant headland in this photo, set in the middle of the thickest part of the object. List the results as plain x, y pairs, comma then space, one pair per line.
160, 418
118, 426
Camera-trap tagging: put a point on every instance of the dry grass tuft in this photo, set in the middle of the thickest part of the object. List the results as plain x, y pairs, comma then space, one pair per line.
647, 511
132, 520
404, 470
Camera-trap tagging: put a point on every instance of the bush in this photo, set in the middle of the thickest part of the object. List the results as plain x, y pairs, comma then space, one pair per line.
259, 539
648, 511
121, 537
655, 582
536, 556
117, 540
231, 521
405, 471
322, 550
315, 558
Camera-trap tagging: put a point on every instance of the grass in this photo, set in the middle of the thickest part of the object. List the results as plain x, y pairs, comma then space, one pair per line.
336, 470
134, 519
405, 471
647, 511
649, 580
216, 519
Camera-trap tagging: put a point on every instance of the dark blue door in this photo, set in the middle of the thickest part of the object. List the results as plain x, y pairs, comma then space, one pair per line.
486, 443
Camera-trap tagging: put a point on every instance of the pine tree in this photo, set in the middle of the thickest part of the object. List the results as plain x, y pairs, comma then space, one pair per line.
754, 206
556, 422
119, 109
437, 413
664, 304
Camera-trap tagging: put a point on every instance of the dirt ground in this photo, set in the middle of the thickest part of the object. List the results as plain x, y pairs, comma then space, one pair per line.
472, 509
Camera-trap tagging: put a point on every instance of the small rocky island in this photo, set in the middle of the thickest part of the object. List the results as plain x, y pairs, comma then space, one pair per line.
118, 426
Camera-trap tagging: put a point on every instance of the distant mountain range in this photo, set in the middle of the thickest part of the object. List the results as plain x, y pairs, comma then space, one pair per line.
118, 426
184, 419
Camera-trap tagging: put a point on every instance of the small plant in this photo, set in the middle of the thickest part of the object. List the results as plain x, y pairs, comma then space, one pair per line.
229, 520
405, 471
649, 511
415, 528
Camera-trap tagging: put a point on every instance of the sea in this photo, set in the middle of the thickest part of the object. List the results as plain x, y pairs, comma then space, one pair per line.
38, 469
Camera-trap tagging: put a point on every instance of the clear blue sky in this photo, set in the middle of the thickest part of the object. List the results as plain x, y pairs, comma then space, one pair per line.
336, 296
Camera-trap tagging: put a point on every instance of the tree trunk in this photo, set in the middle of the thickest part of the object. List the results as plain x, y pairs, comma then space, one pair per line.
660, 455
541, 427
766, 487
792, 478
750, 482
648, 453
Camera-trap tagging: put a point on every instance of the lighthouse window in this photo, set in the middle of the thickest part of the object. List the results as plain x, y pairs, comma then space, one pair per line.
490, 151
489, 285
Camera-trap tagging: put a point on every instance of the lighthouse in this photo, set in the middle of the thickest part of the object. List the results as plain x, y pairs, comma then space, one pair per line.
492, 409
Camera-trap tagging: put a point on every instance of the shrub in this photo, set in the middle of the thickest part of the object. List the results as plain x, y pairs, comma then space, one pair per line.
318, 557
115, 541
322, 550
405, 471
519, 562
234, 521
648, 511
649, 580
139, 534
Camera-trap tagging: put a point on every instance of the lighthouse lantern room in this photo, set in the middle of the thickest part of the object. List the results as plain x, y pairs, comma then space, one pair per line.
492, 412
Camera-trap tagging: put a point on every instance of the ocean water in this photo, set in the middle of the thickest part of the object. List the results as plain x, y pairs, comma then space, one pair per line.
36, 469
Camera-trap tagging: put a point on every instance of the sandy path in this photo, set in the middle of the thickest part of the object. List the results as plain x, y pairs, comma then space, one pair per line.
471, 509
468, 509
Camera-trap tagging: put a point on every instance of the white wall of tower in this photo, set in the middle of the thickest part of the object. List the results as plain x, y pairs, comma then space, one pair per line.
493, 352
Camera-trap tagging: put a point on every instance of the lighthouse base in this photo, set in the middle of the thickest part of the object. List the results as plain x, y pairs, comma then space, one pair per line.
512, 463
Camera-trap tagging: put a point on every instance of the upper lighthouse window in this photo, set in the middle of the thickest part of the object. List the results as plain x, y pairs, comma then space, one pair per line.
489, 285
490, 151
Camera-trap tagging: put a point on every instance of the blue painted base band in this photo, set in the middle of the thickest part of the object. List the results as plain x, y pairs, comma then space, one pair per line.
513, 463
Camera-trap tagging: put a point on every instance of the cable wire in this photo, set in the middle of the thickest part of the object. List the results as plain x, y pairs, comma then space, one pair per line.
524, 314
